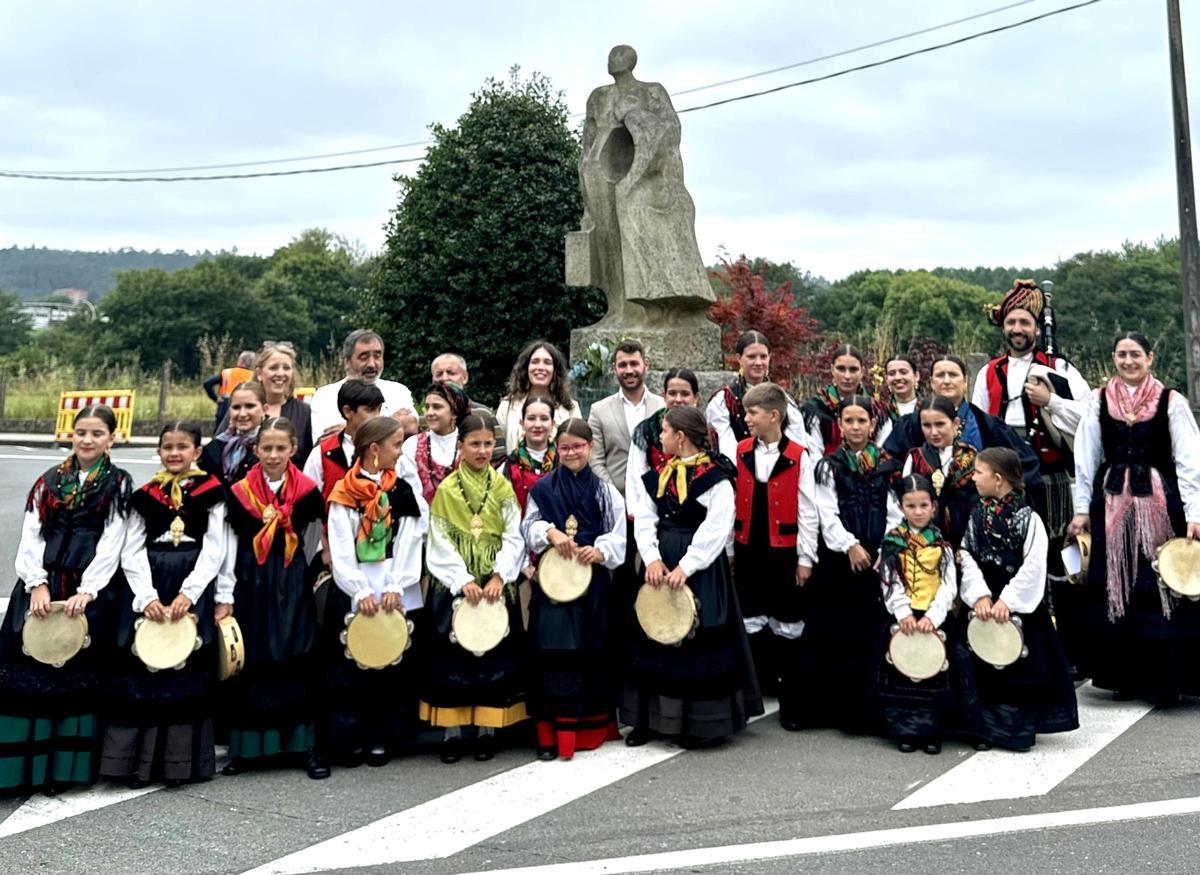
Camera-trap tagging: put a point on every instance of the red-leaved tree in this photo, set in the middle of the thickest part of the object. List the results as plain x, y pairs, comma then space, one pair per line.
774, 312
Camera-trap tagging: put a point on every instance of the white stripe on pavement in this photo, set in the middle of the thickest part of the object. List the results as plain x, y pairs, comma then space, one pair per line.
437, 829
860, 841
999, 774
43, 810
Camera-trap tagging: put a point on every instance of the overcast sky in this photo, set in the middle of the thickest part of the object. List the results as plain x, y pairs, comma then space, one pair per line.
1015, 149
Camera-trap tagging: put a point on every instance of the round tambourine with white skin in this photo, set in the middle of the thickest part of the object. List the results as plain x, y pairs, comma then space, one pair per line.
231, 648
165, 645
1177, 565
999, 644
667, 615
379, 640
562, 580
478, 627
1076, 556
919, 656
56, 637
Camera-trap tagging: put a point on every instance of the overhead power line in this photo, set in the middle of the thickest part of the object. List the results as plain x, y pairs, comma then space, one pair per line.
78, 176
856, 49
891, 60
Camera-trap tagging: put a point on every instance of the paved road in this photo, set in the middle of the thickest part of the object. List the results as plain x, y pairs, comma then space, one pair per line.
1121, 794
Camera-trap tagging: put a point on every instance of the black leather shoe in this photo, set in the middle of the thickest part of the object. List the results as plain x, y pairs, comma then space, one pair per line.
485, 748
135, 783
791, 724
318, 767
546, 754
933, 747
172, 783
51, 790
906, 747
451, 750
377, 756
638, 737
982, 745
235, 766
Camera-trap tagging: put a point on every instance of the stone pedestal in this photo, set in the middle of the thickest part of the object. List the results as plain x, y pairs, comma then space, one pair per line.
696, 345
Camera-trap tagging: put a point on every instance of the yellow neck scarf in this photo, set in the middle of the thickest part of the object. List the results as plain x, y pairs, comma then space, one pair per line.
678, 468
169, 483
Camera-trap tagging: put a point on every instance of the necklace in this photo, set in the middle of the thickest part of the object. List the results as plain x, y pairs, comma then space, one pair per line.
476, 523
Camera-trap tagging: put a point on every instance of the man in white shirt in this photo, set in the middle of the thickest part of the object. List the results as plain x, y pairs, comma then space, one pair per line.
362, 352
614, 418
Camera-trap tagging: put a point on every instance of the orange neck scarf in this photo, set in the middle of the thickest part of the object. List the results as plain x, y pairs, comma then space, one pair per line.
358, 491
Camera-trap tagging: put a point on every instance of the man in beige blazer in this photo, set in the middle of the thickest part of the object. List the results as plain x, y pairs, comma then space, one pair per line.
614, 418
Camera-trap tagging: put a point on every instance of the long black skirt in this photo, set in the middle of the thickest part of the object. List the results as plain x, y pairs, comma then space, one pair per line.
48, 723
913, 711
1008, 707
364, 707
569, 670
267, 709
705, 687
1143, 653
461, 688
158, 725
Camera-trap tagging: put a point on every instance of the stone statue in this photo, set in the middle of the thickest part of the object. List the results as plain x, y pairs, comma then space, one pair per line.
638, 240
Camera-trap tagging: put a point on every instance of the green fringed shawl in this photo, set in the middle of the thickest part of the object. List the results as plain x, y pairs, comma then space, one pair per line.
459, 494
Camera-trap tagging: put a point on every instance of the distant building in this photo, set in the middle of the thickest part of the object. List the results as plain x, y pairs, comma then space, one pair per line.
60, 306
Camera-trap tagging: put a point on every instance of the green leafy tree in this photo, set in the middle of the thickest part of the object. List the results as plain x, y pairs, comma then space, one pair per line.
474, 255
1099, 294
14, 327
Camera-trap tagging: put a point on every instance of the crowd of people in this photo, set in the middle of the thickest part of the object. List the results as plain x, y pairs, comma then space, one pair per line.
720, 550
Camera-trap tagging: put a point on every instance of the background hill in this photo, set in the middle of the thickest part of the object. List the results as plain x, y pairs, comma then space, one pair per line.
35, 271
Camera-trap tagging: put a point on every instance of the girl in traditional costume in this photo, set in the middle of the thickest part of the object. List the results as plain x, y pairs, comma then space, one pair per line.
475, 552
71, 545
434, 453
948, 463
268, 706
903, 378
822, 433
230, 454
919, 584
703, 689
376, 530
1003, 560
159, 724
681, 388
725, 412
1137, 485
574, 512
854, 495
534, 456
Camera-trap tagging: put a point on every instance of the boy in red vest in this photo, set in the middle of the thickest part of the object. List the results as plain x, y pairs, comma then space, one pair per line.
775, 543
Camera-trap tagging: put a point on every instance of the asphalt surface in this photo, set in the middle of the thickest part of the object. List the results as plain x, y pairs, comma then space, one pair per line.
766, 785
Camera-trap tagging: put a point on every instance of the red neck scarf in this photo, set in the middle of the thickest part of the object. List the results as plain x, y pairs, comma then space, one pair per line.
1138, 407
275, 511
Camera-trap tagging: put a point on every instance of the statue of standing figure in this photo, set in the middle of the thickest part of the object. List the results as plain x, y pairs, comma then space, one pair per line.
637, 240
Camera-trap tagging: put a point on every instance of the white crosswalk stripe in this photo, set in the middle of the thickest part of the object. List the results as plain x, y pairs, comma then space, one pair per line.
998, 774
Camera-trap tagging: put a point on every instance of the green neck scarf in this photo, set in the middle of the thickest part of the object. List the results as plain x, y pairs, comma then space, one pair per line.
462, 496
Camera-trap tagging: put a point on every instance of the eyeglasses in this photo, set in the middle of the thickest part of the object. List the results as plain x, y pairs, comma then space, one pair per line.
571, 449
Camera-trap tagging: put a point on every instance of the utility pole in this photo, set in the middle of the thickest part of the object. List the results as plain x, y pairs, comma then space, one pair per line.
1189, 249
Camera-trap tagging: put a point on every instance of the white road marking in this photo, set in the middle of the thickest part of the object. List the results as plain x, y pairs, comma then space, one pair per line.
999, 774
4, 604
861, 841
436, 829
44, 810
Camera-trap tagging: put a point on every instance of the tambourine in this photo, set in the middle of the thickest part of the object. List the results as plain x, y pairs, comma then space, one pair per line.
1177, 565
919, 656
165, 645
667, 615
562, 580
56, 637
478, 627
232, 650
998, 644
1075, 557
377, 641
